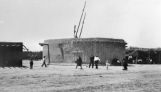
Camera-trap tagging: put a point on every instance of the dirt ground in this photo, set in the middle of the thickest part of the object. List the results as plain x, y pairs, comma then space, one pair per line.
65, 78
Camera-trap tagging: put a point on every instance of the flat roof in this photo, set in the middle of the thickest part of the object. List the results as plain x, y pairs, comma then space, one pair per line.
88, 39
10, 44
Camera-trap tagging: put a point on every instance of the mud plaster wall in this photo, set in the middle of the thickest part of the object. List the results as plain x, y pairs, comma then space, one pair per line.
68, 50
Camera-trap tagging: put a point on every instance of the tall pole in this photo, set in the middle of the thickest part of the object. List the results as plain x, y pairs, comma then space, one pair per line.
82, 26
80, 19
48, 54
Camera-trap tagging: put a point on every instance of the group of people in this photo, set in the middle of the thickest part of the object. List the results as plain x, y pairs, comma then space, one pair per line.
43, 64
94, 60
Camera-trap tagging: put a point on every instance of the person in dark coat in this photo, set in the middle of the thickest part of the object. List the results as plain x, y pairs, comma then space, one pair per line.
125, 63
31, 64
91, 61
79, 62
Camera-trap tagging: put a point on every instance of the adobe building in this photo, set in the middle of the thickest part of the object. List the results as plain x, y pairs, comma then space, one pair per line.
10, 53
67, 50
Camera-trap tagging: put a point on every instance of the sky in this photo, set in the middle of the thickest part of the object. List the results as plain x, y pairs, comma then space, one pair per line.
138, 22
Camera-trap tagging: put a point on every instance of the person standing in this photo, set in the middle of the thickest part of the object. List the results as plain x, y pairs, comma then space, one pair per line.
107, 64
31, 64
44, 62
91, 61
96, 61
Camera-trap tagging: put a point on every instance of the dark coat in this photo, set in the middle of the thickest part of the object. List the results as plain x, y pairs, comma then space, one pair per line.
31, 62
125, 62
79, 61
92, 59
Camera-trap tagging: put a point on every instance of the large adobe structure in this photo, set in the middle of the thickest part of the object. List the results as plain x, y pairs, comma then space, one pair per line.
66, 50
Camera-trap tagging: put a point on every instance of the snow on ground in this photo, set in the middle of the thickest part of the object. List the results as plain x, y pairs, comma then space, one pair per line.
65, 78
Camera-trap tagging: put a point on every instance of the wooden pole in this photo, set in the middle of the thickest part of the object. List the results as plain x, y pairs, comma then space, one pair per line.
48, 54
82, 25
80, 19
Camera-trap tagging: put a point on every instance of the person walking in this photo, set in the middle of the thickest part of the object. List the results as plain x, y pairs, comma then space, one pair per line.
91, 61
125, 63
44, 62
96, 61
79, 62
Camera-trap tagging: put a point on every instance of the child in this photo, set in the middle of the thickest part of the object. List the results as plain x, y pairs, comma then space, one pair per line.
107, 64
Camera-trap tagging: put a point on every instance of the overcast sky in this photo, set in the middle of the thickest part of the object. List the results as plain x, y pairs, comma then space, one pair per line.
138, 22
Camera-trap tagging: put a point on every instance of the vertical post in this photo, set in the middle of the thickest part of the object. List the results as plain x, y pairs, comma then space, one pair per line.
48, 54
158, 53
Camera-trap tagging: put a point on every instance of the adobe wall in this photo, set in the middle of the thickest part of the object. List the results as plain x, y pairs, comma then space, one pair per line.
105, 50
65, 50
